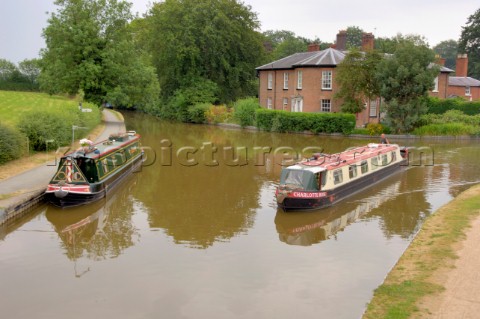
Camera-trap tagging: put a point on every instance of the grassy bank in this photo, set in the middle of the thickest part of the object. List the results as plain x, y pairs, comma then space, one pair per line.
29, 120
13, 105
418, 273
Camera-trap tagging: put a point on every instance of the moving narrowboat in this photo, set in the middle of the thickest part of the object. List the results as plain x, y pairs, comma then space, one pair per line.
325, 179
89, 173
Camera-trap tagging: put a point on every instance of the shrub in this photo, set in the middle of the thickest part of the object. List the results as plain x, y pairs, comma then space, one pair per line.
40, 127
282, 121
374, 128
12, 144
440, 106
218, 114
451, 129
245, 111
451, 116
196, 113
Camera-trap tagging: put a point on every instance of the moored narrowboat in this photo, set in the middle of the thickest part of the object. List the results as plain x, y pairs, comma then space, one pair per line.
89, 173
325, 179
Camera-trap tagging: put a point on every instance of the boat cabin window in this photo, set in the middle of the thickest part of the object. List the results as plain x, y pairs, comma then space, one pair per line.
384, 160
364, 167
374, 163
337, 176
87, 166
321, 180
306, 180
394, 156
352, 171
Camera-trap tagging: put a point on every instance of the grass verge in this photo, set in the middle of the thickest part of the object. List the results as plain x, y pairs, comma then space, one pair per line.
432, 252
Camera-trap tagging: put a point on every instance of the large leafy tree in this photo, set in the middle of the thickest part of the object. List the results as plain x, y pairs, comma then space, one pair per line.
447, 50
356, 76
405, 78
90, 49
470, 43
212, 41
354, 37
390, 45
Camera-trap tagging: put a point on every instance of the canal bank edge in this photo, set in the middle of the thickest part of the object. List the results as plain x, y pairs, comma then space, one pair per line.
25, 196
418, 285
362, 136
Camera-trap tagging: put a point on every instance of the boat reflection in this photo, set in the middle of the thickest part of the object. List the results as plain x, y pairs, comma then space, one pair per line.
308, 228
99, 230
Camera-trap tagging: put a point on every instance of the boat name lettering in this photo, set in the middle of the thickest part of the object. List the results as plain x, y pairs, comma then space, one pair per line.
309, 194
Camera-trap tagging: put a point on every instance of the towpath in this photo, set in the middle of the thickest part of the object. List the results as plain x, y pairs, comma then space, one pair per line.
23, 186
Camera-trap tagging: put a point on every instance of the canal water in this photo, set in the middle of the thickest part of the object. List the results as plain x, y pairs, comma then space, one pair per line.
196, 233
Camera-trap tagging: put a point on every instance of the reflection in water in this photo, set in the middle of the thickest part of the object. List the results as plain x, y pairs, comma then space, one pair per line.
99, 230
308, 228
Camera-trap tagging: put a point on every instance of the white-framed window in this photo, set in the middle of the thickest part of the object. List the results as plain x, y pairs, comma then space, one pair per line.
299, 79
364, 167
337, 176
270, 81
435, 85
269, 103
297, 105
326, 105
373, 108
285, 80
285, 103
326, 80
352, 171
467, 91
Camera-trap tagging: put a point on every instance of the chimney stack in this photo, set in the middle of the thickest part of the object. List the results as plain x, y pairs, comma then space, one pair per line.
313, 47
462, 65
439, 60
368, 42
341, 40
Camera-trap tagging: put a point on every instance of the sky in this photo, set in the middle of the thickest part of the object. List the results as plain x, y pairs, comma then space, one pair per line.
22, 21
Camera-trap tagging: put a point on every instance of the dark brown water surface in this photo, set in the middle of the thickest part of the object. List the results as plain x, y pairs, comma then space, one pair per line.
196, 233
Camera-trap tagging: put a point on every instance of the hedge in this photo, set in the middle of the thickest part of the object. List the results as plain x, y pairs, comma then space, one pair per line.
440, 106
12, 143
56, 126
283, 121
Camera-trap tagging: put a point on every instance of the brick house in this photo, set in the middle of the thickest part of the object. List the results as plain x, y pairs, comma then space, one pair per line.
305, 82
461, 85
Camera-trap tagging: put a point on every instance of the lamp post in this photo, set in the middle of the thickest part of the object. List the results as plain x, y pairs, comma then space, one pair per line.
75, 127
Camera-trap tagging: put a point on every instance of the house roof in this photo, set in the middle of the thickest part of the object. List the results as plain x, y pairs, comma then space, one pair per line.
463, 81
327, 57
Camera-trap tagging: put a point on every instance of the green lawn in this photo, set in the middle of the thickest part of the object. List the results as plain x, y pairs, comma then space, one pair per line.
14, 104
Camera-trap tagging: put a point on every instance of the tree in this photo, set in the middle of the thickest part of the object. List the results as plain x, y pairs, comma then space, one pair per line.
405, 78
214, 40
356, 76
390, 45
447, 50
354, 37
470, 43
7, 69
90, 48
30, 69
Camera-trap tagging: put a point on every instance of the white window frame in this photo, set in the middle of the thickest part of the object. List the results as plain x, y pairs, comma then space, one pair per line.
373, 108
285, 103
326, 106
467, 91
285, 80
270, 81
269, 103
299, 79
435, 85
326, 80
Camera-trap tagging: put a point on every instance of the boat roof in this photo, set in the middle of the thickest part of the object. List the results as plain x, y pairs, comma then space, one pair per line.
353, 155
114, 142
